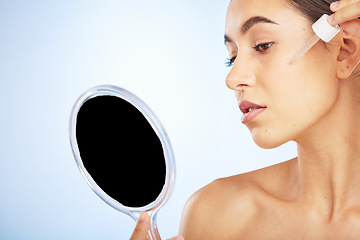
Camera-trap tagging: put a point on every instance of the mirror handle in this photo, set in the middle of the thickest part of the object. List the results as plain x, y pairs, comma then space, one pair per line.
153, 226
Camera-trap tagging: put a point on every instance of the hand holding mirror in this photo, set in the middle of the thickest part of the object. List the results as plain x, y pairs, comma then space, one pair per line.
122, 151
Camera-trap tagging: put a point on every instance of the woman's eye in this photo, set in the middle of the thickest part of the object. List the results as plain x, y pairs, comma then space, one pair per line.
262, 47
230, 61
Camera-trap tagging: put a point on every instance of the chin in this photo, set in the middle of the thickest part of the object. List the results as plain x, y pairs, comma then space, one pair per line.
266, 140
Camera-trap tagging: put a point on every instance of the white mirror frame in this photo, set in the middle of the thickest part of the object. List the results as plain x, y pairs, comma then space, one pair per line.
109, 90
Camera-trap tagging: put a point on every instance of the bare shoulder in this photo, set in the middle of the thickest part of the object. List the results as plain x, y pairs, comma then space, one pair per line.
209, 212
229, 208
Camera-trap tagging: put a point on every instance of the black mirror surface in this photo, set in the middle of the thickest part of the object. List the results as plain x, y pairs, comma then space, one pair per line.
120, 150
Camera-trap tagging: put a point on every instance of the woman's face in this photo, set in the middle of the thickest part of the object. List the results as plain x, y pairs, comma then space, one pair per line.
262, 36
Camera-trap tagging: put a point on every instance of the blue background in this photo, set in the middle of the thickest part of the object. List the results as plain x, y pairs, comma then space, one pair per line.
169, 53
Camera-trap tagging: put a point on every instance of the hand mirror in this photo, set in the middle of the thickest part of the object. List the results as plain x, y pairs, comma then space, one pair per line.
122, 151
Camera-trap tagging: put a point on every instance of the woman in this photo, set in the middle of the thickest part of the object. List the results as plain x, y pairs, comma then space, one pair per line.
314, 101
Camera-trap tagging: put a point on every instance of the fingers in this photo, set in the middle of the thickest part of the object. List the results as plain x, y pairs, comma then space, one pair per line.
345, 10
142, 227
334, 6
351, 27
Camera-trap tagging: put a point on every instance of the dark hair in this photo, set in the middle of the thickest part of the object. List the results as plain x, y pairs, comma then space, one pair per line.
312, 9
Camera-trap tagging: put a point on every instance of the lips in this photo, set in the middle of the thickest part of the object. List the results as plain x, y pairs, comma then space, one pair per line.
250, 110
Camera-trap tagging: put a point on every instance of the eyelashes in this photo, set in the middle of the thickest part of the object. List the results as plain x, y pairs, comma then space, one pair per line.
229, 62
261, 48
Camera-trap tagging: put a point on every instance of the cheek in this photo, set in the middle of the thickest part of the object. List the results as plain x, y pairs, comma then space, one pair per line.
310, 85
297, 97
317, 83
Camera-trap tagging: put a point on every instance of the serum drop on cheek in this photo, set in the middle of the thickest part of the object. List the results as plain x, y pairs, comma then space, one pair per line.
323, 30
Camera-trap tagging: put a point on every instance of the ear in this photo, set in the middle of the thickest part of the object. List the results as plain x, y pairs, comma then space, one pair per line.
349, 55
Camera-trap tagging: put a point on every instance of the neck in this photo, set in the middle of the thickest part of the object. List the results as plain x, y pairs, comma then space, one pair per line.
329, 158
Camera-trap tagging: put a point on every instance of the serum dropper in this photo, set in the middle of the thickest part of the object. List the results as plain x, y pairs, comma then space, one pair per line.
323, 30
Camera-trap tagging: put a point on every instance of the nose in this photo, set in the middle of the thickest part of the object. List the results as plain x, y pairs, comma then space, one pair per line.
240, 76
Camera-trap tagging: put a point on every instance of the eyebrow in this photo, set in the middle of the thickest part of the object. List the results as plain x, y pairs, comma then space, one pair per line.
249, 24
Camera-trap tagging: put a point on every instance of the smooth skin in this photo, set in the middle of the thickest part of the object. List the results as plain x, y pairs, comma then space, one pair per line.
314, 102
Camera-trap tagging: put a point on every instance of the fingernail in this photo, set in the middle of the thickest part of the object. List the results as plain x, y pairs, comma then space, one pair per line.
334, 5
331, 18
142, 217
179, 238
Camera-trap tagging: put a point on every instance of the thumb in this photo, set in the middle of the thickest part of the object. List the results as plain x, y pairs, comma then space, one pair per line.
142, 227
352, 27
